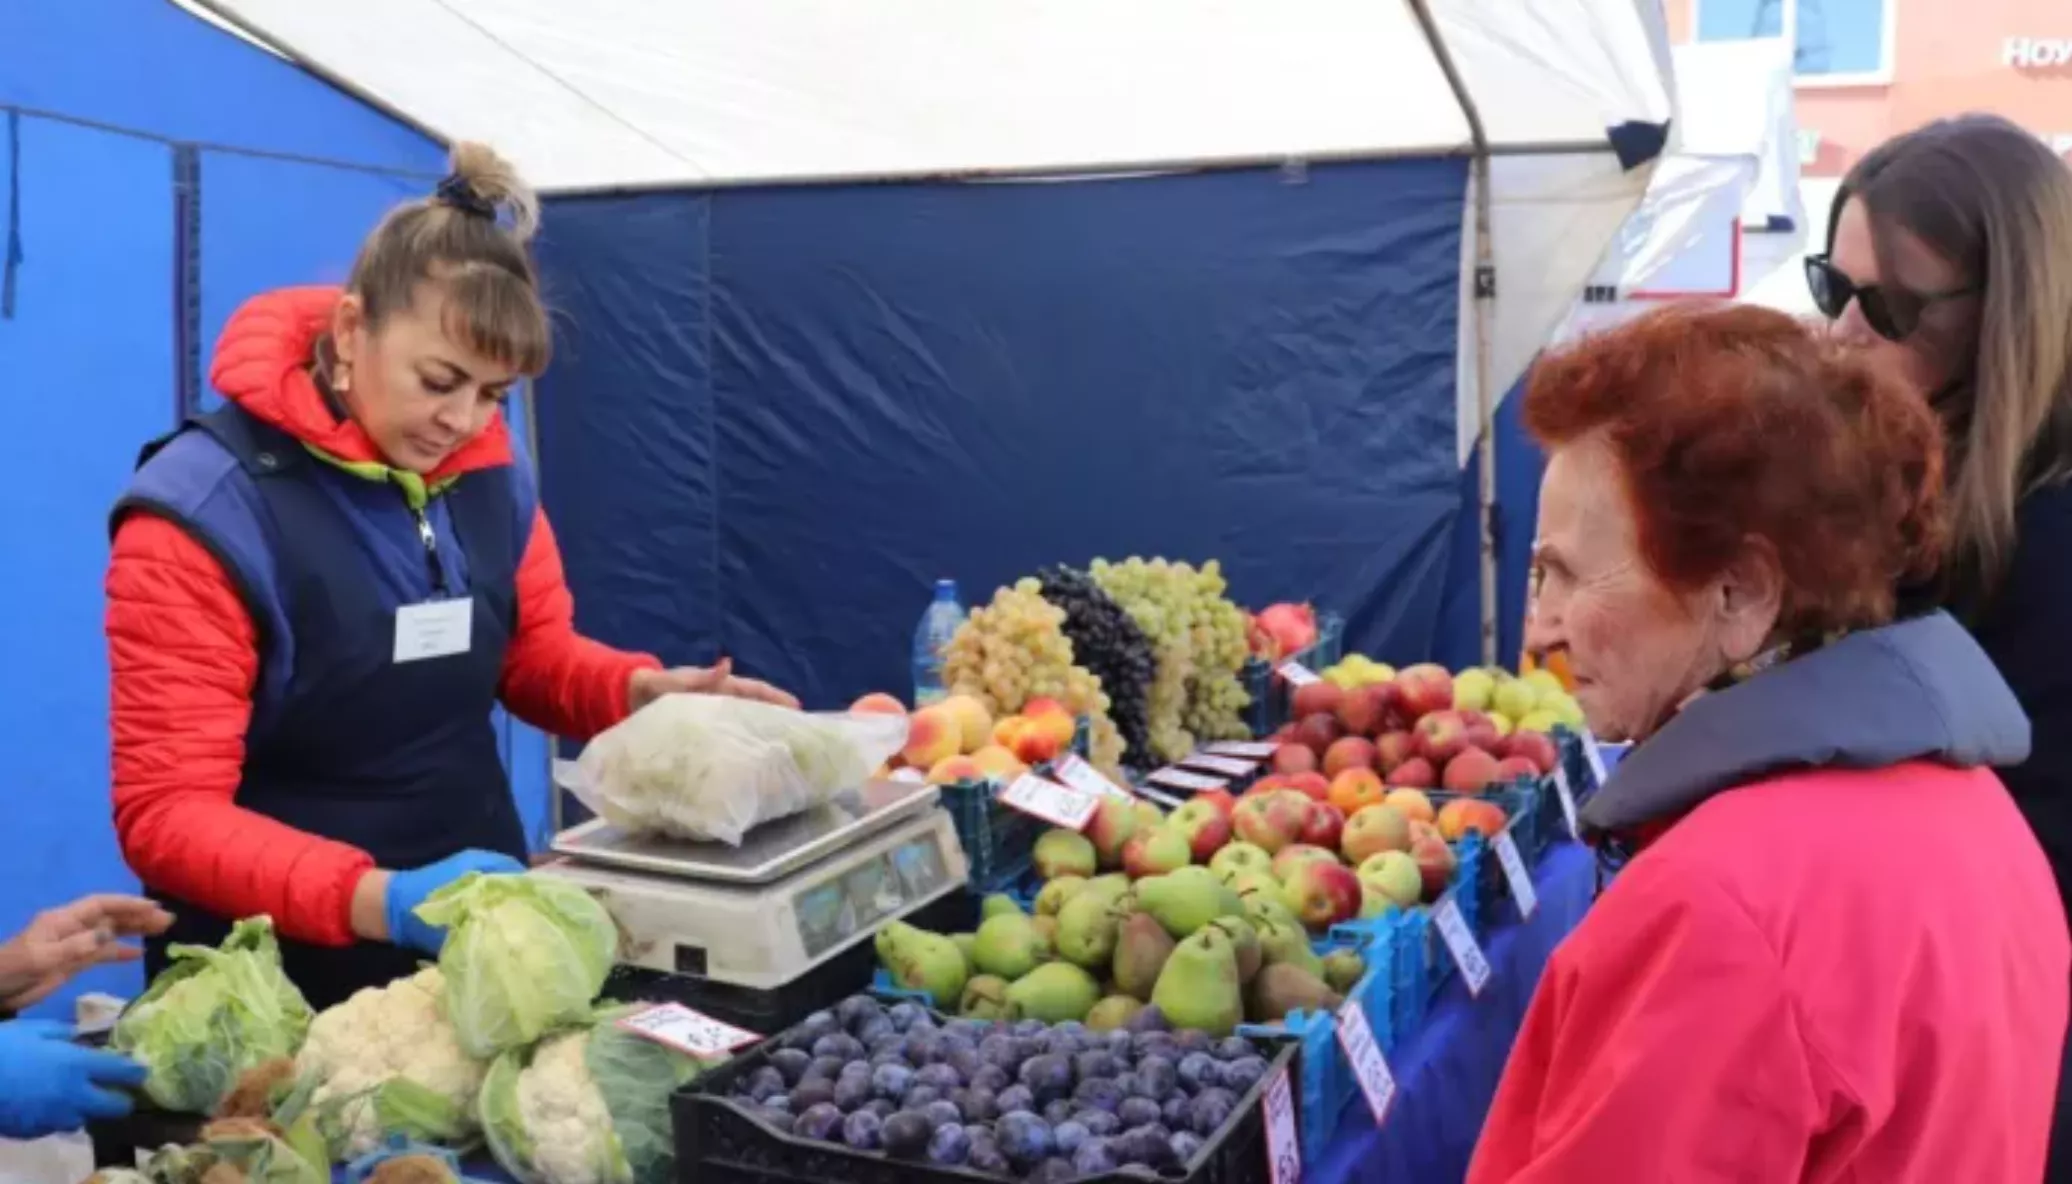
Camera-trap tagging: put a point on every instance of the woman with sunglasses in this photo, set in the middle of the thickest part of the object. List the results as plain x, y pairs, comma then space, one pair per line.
1950, 251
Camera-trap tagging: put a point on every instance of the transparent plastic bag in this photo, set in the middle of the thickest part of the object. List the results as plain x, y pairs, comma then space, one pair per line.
707, 767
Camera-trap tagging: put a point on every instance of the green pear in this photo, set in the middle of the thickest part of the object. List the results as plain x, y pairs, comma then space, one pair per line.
1086, 929
1009, 946
1112, 1012
984, 998
998, 904
1063, 853
922, 961
1343, 969
1199, 986
1056, 892
1286, 941
1184, 903
1141, 948
1283, 987
965, 943
1245, 940
1055, 992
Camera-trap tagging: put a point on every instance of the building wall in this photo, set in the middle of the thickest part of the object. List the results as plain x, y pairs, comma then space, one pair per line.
1940, 57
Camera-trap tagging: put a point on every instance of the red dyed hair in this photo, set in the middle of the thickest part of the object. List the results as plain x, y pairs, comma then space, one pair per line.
1736, 423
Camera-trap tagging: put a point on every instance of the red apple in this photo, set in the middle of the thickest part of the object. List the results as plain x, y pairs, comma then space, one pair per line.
1154, 852
1221, 799
1317, 698
1415, 773
1270, 821
1265, 785
1423, 689
1319, 732
1441, 736
1113, 823
1424, 828
1392, 749
1364, 710
1322, 893
1294, 855
1203, 824
1324, 826
1512, 769
1537, 747
1470, 772
1481, 730
1294, 758
1436, 862
1314, 786
1351, 752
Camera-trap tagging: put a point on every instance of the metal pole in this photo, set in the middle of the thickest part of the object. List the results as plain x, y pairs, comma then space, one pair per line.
1485, 316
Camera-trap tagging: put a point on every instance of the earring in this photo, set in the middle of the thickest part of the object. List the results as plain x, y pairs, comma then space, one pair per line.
342, 378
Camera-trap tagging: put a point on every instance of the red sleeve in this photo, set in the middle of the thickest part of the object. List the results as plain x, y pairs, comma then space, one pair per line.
555, 678
1661, 1045
183, 658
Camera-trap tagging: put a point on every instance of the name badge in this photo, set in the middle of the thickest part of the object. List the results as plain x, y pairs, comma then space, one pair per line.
439, 629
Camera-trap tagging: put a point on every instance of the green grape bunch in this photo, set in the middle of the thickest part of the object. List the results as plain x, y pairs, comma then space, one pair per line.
1014, 649
1199, 639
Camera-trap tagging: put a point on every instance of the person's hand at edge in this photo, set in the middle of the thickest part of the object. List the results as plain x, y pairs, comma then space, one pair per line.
385, 902
646, 686
50, 1085
71, 938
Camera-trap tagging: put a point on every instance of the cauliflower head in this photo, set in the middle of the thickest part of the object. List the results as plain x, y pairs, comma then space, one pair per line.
388, 1061
546, 1120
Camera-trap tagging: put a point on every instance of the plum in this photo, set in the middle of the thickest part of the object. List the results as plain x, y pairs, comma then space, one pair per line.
792, 1063
1096, 1063
1178, 1112
1057, 1111
985, 1156
923, 1047
1024, 1138
1200, 1071
852, 1090
1157, 1078
1120, 1042
991, 1077
907, 1015
1048, 1076
977, 1104
1101, 1093
1241, 1075
1098, 1122
919, 1096
906, 1134
892, 1081
1030, 1028
963, 1060
1016, 1097
1068, 1135
1094, 1158
1131, 1084
874, 1028
1147, 1019
1234, 1048
1193, 1040
827, 1068
943, 1113
1147, 1145
822, 1121
862, 1130
1211, 1109
841, 1045
999, 1050
1186, 1145
949, 1145
884, 1108
857, 1009
810, 1093
1138, 1111
942, 1077
812, 1028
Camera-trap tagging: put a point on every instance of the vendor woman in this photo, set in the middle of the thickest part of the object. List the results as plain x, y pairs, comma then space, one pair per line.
318, 592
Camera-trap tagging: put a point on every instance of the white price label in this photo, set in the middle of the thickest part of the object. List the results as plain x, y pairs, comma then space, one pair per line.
1522, 891
1283, 1150
1593, 757
1059, 805
1260, 749
1087, 779
680, 1028
1467, 952
1297, 674
1370, 1068
1229, 766
1182, 779
1568, 800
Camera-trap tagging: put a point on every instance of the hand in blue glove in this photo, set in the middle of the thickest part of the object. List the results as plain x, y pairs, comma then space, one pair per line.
407, 890
49, 1085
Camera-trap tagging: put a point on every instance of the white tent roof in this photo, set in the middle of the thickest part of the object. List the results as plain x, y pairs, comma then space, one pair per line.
607, 93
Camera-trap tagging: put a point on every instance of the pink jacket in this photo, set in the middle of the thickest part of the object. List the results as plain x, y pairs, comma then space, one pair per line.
1843, 960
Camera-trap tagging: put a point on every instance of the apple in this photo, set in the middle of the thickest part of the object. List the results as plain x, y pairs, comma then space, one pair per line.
1513, 769
1412, 804
1441, 736
1294, 758
1269, 822
1392, 749
1149, 815
1324, 825
1421, 830
1351, 752
1314, 786
1435, 863
1415, 773
1154, 852
1250, 883
1365, 710
1355, 789
1321, 893
1238, 858
1481, 730
1372, 831
1395, 875
1271, 783
1318, 732
1317, 698
1515, 699
1294, 855
1373, 903
1473, 689
1537, 747
878, 703
1204, 825
1219, 798
1113, 823
1461, 815
932, 737
1423, 689
1470, 772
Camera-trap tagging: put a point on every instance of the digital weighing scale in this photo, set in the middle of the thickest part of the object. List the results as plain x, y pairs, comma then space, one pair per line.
794, 894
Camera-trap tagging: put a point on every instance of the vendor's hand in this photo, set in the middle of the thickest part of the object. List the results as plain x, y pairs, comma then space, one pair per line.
50, 1086
407, 890
71, 938
649, 685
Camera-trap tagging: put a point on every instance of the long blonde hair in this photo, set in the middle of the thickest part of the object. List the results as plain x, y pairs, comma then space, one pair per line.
1992, 200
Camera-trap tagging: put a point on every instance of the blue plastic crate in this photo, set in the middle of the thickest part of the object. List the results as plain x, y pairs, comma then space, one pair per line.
1419, 963
1527, 827
998, 842
1269, 709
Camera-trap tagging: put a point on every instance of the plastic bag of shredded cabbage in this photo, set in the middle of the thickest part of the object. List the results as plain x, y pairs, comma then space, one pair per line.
523, 955
589, 1105
711, 768
212, 1015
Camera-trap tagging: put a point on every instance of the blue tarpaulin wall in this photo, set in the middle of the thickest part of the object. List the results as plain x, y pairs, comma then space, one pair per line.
776, 415
118, 120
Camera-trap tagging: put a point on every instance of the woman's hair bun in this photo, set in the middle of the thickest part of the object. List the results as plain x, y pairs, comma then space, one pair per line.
492, 179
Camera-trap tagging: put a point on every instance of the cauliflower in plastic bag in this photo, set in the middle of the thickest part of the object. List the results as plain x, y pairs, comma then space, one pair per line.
706, 767
523, 955
587, 1106
212, 1015
388, 1062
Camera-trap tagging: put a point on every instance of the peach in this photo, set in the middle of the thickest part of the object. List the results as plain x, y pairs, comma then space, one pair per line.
974, 722
1035, 743
1411, 804
1055, 717
1462, 815
955, 770
1372, 831
1470, 772
878, 703
932, 737
1352, 752
999, 763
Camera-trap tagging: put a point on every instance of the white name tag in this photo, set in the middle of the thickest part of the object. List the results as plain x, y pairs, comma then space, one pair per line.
436, 630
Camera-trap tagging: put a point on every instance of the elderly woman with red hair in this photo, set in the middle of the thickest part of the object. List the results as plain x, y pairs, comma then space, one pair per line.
1835, 951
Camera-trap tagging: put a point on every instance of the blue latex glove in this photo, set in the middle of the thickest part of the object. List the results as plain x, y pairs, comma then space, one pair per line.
407, 890
49, 1085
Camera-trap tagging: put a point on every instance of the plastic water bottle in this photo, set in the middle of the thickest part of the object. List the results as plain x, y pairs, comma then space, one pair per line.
932, 641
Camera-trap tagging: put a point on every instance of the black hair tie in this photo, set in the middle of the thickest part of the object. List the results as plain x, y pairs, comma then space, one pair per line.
457, 192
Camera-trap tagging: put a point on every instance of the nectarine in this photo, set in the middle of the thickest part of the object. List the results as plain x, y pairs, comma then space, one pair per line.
878, 703
932, 737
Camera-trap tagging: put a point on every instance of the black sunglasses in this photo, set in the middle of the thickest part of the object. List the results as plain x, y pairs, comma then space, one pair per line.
1892, 313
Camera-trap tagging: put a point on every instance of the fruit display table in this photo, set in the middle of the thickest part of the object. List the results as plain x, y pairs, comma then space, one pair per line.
1447, 1074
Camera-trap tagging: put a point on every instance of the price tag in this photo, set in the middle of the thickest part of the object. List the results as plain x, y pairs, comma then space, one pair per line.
1258, 749
1520, 879
1370, 1068
1229, 766
1593, 757
1087, 779
1182, 779
1568, 800
1059, 805
1297, 674
1467, 952
1283, 1151
680, 1028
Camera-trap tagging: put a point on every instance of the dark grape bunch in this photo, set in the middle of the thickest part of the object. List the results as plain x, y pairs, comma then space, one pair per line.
1107, 642
1025, 1100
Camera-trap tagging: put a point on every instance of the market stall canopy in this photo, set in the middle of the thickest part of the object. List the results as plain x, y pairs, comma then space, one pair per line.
614, 93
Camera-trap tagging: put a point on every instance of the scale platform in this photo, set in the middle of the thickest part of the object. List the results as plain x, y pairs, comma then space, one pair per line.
795, 894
